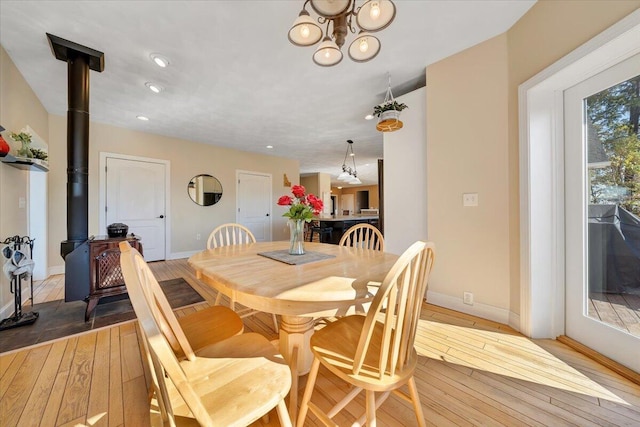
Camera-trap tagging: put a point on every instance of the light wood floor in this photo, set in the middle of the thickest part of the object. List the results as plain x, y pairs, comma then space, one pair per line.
472, 372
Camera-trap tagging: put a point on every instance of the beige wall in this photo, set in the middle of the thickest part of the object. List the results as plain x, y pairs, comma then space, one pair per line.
311, 183
18, 107
467, 153
472, 133
187, 160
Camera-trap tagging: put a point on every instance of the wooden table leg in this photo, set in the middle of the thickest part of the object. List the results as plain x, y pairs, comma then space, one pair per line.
296, 332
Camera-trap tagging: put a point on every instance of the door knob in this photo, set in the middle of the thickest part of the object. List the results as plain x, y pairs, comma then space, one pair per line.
161, 216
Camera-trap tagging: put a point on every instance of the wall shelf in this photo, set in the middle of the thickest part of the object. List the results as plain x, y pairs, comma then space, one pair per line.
25, 163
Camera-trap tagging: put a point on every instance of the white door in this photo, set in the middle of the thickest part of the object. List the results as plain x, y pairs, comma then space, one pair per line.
346, 203
602, 169
254, 204
135, 195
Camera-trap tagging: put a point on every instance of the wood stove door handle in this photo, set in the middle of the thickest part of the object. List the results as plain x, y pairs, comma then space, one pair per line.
161, 216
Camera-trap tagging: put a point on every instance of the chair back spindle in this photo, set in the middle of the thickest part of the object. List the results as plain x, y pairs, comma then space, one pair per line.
230, 234
364, 236
399, 300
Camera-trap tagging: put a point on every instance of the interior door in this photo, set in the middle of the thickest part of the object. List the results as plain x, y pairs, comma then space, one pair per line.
135, 195
602, 218
254, 204
346, 203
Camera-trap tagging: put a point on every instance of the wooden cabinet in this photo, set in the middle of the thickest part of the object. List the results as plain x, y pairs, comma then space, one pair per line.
105, 275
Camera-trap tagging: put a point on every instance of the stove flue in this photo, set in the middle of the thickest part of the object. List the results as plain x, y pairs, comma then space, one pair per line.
75, 250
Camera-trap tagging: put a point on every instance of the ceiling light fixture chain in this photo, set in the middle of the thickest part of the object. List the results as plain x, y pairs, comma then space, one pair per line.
372, 16
349, 175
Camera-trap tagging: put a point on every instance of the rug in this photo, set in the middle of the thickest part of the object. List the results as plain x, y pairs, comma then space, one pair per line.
59, 319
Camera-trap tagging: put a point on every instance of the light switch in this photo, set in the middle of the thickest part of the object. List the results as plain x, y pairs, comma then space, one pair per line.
470, 199
21, 203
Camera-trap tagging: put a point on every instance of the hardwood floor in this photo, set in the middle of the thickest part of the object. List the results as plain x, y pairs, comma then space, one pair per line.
472, 372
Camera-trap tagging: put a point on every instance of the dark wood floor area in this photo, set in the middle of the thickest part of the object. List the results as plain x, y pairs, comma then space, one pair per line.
471, 372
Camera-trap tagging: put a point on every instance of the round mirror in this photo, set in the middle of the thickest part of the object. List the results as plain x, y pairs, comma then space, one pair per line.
204, 190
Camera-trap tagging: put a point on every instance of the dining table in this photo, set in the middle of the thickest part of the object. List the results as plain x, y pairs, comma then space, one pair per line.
328, 280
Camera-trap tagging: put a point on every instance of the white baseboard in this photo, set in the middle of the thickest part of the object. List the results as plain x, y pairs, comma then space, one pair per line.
56, 269
484, 311
514, 321
180, 255
8, 309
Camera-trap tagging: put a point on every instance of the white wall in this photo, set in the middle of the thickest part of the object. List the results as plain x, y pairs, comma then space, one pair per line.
19, 107
405, 176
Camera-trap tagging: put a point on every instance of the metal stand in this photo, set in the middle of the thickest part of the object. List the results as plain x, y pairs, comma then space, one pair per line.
19, 318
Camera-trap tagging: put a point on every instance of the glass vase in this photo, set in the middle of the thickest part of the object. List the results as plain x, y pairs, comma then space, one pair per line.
296, 236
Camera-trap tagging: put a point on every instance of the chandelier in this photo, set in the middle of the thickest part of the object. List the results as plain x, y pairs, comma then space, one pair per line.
349, 175
372, 16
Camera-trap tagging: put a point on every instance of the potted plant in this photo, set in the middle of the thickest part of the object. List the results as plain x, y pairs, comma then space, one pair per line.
25, 139
388, 114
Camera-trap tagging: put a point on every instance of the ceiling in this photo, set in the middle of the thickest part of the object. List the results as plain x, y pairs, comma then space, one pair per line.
234, 79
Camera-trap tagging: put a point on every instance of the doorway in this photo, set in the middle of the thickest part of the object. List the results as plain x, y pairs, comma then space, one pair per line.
362, 200
134, 191
602, 211
542, 172
346, 204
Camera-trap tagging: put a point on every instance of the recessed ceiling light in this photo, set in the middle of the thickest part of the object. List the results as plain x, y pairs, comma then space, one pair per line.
368, 117
154, 87
160, 60
269, 146
143, 118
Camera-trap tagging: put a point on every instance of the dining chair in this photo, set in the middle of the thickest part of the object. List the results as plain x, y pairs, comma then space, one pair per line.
375, 352
364, 236
203, 327
234, 234
209, 386
324, 233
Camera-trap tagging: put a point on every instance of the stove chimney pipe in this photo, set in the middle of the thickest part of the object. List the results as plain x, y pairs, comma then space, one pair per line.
80, 59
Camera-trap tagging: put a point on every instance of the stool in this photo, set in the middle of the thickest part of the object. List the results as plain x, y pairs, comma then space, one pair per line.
322, 231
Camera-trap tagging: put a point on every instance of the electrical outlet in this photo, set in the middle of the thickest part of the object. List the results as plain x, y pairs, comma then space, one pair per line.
467, 298
198, 236
470, 199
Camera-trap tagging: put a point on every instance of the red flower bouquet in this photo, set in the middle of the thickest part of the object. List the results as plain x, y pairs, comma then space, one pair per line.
303, 206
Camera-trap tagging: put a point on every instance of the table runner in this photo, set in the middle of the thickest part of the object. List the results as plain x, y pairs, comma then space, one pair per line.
287, 258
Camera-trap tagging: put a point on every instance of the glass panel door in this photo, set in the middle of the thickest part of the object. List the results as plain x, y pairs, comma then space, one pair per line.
602, 212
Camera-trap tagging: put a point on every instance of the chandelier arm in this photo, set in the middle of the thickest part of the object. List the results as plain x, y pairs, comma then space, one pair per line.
329, 21
350, 17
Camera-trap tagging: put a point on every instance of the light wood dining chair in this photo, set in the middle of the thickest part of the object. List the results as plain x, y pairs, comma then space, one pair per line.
375, 352
209, 386
364, 236
234, 234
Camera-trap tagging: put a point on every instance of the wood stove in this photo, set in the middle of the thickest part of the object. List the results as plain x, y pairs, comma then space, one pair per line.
105, 275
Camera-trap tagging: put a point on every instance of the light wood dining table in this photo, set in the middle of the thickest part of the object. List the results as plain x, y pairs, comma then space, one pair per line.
338, 285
